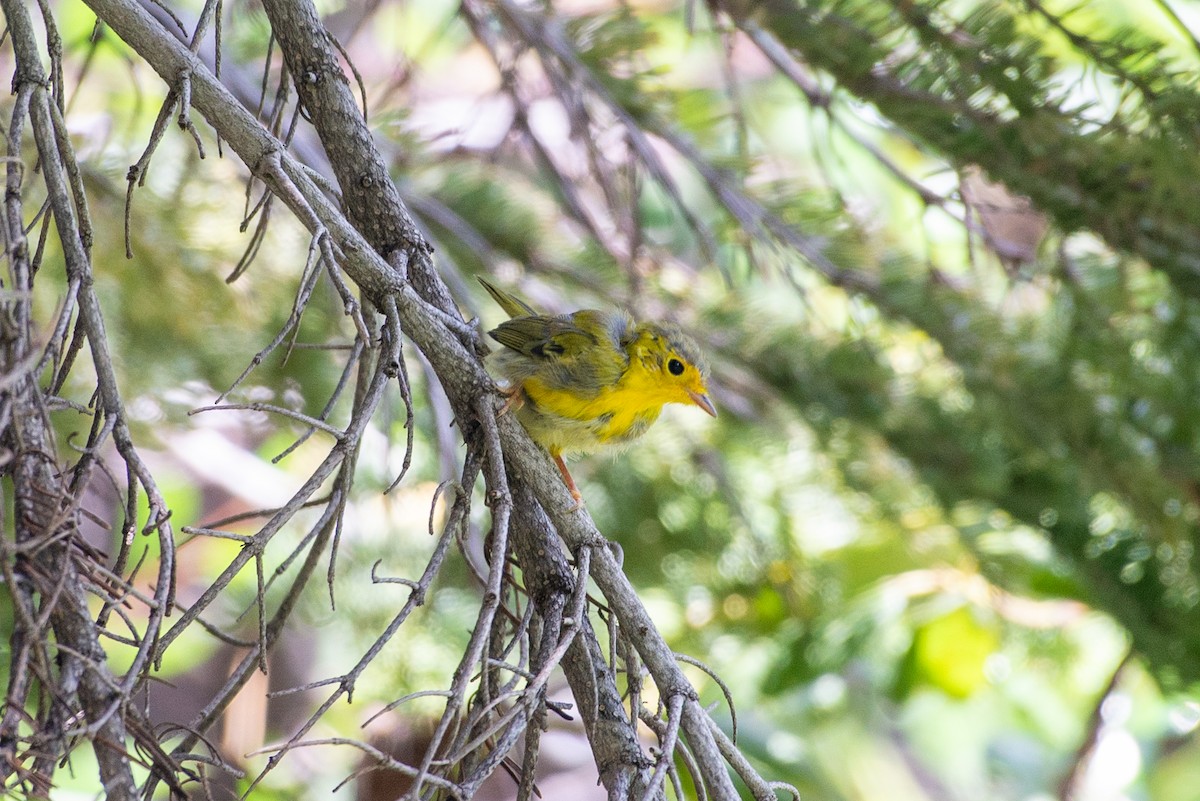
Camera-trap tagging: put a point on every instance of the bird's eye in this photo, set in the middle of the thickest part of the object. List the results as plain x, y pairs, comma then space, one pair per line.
675, 367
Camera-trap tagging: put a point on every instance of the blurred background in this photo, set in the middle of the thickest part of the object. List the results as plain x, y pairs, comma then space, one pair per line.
944, 257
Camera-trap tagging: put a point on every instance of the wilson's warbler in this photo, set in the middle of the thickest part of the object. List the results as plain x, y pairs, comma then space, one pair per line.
592, 378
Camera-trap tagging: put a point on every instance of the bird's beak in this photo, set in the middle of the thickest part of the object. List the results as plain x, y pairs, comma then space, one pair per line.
703, 401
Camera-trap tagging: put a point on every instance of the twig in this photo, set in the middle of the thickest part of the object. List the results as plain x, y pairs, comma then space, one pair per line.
383, 760
667, 748
311, 422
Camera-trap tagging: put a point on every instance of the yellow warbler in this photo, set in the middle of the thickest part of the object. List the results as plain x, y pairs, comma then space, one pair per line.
592, 378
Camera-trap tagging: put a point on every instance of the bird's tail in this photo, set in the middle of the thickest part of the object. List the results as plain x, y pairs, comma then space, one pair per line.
510, 303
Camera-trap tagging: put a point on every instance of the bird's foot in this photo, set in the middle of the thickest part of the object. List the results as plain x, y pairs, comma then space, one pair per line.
514, 398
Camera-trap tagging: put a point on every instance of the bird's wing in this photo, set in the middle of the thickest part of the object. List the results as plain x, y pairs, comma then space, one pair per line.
574, 351
544, 337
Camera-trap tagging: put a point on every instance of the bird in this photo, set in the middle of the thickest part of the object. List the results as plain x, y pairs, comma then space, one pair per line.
591, 379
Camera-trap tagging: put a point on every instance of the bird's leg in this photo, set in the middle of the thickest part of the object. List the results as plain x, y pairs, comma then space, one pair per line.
570, 482
514, 398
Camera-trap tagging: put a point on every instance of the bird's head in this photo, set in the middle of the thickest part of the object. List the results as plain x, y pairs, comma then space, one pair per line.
674, 368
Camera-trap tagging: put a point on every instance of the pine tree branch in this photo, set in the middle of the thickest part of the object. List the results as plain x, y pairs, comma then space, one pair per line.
1033, 144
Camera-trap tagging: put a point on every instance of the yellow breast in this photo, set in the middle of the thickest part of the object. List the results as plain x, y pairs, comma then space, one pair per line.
566, 420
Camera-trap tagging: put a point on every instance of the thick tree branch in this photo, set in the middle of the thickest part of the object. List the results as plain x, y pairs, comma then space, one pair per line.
44, 510
623, 766
372, 202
